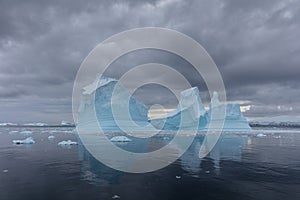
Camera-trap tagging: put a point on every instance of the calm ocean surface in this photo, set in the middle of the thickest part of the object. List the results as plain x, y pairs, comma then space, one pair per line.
241, 166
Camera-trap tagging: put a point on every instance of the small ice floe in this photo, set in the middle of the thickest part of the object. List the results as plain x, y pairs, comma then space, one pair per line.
261, 135
166, 138
51, 137
5, 170
116, 197
67, 143
277, 136
120, 139
26, 132
26, 141
207, 172
13, 132
178, 177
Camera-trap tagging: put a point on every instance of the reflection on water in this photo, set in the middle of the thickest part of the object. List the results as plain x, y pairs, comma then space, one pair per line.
240, 166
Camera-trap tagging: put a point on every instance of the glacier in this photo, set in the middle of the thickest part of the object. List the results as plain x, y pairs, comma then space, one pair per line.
106, 95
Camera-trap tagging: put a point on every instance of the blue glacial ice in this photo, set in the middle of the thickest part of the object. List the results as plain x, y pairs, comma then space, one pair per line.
99, 97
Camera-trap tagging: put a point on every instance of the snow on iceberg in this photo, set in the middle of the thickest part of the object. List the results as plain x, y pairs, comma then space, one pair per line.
67, 142
97, 100
120, 139
26, 141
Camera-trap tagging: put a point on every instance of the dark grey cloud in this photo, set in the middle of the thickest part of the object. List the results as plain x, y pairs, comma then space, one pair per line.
255, 44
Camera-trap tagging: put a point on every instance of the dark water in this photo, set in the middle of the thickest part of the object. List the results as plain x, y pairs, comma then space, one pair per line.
241, 166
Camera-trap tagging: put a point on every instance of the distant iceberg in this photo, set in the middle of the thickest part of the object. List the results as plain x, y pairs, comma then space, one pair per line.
66, 123
51, 137
26, 141
26, 132
67, 143
35, 124
8, 124
120, 139
97, 100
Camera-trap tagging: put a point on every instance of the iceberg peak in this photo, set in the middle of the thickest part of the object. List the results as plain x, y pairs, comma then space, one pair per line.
98, 82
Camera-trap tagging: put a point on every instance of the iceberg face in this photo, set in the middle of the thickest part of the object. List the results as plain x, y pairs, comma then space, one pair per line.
190, 106
106, 95
99, 96
234, 120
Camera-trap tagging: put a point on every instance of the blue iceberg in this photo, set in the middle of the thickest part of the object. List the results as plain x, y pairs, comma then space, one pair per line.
104, 101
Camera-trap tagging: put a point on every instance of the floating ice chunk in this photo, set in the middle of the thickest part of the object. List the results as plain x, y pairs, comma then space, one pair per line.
261, 135
120, 139
178, 177
8, 124
116, 197
51, 137
5, 170
66, 123
26, 141
36, 124
68, 142
26, 132
13, 132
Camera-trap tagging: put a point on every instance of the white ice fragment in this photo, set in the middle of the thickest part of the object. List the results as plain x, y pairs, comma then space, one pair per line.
116, 197
120, 139
68, 142
13, 132
36, 124
51, 137
26, 141
26, 132
207, 172
66, 123
261, 135
5, 170
178, 177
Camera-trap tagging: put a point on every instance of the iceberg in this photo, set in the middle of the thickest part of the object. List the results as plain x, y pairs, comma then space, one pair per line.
105, 95
26, 141
35, 124
8, 124
67, 143
51, 137
234, 119
26, 132
66, 123
261, 135
120, 139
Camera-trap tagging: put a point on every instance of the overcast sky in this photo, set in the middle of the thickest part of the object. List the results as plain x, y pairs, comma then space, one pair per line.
255, 44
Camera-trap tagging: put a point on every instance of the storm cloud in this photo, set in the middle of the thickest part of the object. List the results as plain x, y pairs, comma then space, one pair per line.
255, 45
